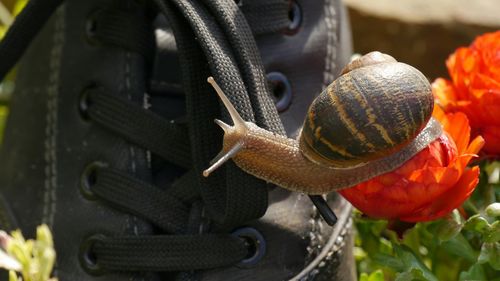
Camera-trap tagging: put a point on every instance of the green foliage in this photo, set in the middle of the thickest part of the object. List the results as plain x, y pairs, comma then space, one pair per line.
33, 260
3, 117
7, 85
449, 249
374, 276
18, 7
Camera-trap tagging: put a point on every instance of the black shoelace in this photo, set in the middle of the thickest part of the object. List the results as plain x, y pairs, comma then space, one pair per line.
225, 43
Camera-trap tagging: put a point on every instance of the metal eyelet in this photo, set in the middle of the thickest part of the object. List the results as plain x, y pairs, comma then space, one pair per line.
87, 257
295, 16
89, 178
281, 90
84, 104
255, 243
92, 26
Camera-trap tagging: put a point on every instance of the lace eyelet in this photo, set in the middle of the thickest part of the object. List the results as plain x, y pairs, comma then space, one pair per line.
91, 26
87, 257
89, 179
295, 16
281, 90
255, 244
84, 104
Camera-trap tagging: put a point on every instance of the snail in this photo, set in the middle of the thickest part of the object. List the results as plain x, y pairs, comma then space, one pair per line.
369, 121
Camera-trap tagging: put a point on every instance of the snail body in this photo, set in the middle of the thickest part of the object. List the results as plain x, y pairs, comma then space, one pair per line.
369, 121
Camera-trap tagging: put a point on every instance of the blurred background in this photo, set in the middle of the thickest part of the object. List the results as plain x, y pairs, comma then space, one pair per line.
422, 33
8, 10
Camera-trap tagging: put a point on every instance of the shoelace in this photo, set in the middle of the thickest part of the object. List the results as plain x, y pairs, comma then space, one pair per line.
231, 197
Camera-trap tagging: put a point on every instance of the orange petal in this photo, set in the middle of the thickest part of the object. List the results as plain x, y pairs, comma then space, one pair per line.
439, 114
478, 143
449, 200
459, 130
491, 135
444, 93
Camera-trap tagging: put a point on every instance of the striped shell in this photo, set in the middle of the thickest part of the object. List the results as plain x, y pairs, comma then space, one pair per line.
375, 108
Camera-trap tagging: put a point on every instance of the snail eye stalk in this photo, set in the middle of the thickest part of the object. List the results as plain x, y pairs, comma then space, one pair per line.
222, 158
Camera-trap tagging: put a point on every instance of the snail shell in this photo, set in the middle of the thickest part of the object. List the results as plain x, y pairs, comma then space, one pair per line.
376, 107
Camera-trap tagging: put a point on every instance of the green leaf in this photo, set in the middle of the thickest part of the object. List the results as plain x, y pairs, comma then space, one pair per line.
19, 6
389, 261
493, 233
411, 262
12, 276
477, 223
475, 273
36, 257
447, 228
374, 276
490, 253
459, 246
369, 232
493, 210
413, 274
3, 29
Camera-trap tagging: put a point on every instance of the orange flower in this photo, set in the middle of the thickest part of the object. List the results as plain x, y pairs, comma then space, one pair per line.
429, 185
475, 88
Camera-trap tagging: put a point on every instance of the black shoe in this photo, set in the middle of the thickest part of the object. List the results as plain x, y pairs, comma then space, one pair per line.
111, 124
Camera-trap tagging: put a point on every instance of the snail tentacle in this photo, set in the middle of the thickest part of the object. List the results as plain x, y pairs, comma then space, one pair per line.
234, 135
235, 116
222, 157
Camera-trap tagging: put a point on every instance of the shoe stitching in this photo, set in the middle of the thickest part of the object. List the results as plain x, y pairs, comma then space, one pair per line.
331, 54
50, 184
133, 165
316, 238
329, 248
131, 220
158, 83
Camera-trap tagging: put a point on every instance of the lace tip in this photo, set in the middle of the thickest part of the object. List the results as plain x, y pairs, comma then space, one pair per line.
324, 210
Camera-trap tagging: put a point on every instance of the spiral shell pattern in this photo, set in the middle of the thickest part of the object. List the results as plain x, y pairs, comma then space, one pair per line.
367, 113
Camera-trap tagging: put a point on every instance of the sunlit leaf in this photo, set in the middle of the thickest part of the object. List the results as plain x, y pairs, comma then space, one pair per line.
19, 6
43, 235
374, 276
13, 276
3, 29
477, 223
